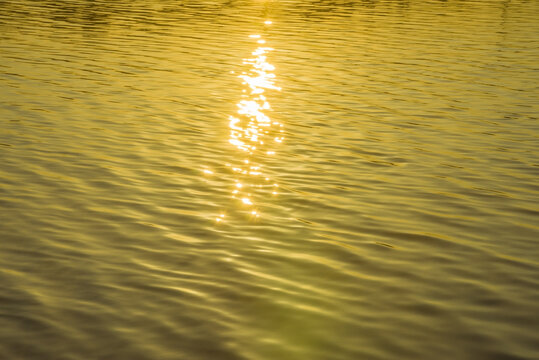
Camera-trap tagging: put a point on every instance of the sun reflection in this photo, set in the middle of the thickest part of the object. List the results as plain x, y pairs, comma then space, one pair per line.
252, 133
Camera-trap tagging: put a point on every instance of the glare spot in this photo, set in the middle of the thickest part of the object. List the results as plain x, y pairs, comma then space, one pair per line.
209, 172
268, 22
252, 131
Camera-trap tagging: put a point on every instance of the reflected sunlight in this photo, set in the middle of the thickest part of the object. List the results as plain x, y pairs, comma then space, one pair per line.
251, 129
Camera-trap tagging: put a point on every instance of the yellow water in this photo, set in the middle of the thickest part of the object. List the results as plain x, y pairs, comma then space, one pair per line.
254, 179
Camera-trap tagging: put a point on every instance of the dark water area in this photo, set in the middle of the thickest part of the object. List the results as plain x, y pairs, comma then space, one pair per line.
259, 180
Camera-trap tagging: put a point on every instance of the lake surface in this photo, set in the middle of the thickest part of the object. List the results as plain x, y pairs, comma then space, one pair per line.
259, 180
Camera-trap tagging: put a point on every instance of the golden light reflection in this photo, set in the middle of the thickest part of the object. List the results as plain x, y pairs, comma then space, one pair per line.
253, 134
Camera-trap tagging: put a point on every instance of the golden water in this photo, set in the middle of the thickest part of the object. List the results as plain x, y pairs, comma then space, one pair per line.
254, 179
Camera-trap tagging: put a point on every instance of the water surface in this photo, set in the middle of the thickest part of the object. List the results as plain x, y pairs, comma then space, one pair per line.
186, 180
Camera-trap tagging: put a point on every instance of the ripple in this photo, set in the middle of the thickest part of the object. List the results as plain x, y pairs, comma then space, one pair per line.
404, 219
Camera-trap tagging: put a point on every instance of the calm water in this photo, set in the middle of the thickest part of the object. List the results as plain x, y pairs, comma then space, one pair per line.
186, 180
